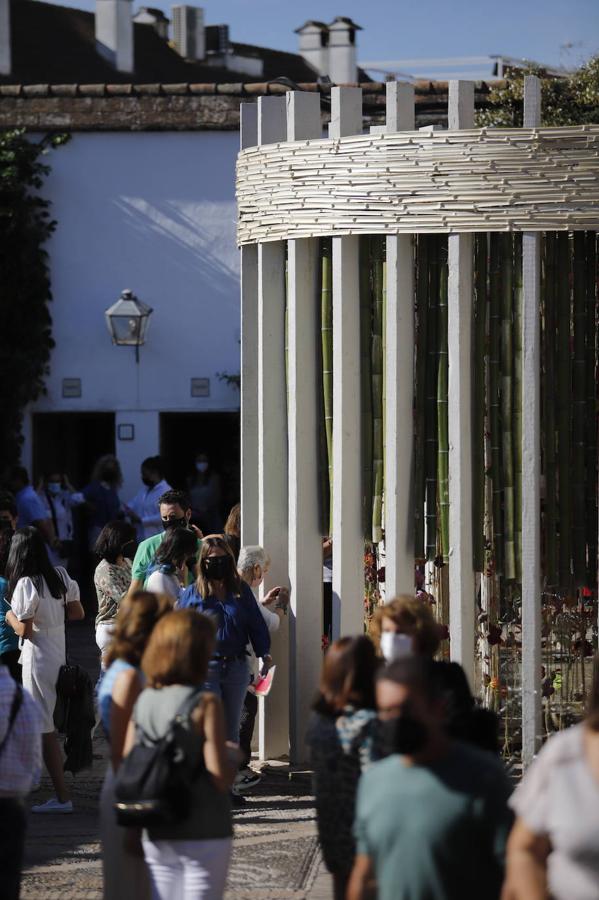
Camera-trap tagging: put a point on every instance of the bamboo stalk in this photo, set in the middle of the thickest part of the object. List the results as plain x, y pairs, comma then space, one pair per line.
517, 404
366, 305
421, 288
430, 446
494, 397
564, 416
327, 363
579, 411
549, 392
591, 404
479, 350
442, 412
377, 368
507, 457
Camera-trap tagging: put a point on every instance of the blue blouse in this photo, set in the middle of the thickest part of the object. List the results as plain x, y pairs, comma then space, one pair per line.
238, 621
105, 690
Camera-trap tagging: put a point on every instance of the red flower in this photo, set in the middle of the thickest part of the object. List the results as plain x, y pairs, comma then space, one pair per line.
324, 642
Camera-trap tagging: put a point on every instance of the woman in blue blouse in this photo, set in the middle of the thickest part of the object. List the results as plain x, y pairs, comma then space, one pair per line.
220, 593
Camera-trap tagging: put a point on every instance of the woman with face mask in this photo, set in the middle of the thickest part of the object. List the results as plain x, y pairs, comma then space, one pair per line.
169, 572
406, 627
115, 548
205, 495
220, 593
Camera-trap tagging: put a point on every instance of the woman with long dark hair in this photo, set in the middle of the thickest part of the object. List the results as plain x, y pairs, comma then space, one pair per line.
341, 738
115, 548
41, 596
221, 594
169, 571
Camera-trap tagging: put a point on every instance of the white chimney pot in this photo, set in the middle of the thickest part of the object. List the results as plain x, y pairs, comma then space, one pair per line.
5, 57
114, 33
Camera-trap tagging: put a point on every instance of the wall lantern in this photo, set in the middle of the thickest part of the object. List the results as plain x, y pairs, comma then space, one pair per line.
127, 321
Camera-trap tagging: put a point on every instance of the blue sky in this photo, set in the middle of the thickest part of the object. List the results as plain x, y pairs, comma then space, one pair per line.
394, 29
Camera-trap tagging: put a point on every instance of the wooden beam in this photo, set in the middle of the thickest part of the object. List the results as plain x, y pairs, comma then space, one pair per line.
305, 544
399, 362
459, 332
348, 539
272, 445
531, 464
249, 359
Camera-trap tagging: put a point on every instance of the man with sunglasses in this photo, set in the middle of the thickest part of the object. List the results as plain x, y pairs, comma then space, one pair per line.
175, 512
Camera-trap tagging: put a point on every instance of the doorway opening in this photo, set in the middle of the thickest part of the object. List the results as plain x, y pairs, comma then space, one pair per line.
71, 442
183, 435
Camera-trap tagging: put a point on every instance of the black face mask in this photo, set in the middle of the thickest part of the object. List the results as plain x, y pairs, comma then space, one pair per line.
6, 525
403, 734
148, 482
216, 568
174, 523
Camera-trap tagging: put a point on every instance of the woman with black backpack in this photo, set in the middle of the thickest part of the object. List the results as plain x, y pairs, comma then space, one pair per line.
188, 833
41, 597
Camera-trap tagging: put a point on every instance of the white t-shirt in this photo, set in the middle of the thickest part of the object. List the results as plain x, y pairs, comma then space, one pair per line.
163, 583
559, 798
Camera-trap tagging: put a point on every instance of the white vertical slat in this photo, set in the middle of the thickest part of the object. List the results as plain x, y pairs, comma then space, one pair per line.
531, 464
399, 362
459, 330
305, 546
272, 444
249, 359
348, 541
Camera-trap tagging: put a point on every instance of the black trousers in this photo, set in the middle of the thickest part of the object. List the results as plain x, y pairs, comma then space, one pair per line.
12, 843
246, 727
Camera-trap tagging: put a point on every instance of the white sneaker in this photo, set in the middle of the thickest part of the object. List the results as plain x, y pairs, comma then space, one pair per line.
53, 806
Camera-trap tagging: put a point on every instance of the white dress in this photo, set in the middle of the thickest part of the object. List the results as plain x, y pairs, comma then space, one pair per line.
44, 654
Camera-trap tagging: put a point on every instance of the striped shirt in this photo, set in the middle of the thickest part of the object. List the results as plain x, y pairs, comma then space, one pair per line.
21, 759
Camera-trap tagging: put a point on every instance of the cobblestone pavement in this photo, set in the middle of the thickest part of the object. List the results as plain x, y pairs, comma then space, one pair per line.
275, 851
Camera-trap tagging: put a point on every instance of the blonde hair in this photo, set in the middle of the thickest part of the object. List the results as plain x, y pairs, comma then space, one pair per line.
179, 649
413, 613
135, 619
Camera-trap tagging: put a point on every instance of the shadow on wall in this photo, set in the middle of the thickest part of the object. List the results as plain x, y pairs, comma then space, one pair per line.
184, 245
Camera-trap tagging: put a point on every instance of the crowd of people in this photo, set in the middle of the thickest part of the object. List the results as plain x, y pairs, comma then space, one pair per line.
412, 798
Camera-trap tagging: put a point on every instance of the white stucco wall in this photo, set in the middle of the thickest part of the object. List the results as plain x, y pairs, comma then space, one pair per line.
154, 213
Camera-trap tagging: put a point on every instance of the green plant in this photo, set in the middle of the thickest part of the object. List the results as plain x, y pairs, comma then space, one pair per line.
25, 320
572, 100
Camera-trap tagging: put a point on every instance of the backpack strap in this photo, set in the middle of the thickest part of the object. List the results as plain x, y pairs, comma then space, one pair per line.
17, 700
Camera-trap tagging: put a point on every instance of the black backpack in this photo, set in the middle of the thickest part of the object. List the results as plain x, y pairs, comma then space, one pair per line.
153, 783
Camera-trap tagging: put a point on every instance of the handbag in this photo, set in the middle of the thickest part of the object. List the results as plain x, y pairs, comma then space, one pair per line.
153, 784
69, 676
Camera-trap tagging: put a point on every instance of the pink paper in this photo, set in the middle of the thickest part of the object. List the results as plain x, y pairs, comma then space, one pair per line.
264, 683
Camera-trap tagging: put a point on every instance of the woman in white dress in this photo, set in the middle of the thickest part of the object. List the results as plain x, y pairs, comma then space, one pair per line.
39, 595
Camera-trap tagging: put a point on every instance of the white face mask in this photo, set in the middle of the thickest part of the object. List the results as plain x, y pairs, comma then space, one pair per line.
395, 646
202, 467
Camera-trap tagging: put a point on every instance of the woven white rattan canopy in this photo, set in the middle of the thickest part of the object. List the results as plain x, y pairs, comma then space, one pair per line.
490, 179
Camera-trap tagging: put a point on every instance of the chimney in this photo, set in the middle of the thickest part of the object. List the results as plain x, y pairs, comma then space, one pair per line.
114, 33
148, 15
5, 60
314, 45
343, 67
189, 34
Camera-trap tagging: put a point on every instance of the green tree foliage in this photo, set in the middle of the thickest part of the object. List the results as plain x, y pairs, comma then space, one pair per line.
573, 100
25, 320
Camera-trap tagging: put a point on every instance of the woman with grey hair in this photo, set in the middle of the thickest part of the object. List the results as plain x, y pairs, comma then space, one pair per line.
253, 564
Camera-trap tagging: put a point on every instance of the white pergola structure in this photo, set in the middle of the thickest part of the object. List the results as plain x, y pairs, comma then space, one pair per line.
294, 187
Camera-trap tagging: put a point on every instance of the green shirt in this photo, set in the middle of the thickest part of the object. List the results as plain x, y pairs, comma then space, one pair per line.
146, 554
435, 832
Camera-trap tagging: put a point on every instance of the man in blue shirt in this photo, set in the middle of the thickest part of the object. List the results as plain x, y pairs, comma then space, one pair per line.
30, 509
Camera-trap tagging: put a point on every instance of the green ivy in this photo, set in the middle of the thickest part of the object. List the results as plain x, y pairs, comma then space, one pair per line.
25, 294
573, 100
